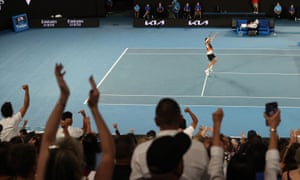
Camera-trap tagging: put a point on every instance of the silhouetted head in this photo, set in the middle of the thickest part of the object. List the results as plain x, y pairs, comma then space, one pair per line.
165, 154
168, 114
206, 39
67, 117
7, 110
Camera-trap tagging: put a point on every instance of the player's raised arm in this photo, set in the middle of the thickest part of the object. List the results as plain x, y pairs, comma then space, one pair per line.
214, 36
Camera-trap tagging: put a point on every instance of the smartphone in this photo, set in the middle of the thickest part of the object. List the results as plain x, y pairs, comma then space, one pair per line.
271, 109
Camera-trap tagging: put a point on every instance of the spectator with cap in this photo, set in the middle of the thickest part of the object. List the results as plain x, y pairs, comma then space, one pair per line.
165, 156
196, 162
168, 117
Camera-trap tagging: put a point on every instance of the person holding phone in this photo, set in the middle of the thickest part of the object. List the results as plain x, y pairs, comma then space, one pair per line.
272, 167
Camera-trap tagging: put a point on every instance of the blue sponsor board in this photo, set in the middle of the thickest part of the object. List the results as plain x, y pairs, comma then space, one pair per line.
20, 22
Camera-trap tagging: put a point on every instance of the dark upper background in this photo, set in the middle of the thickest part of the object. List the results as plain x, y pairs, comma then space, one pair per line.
96, 8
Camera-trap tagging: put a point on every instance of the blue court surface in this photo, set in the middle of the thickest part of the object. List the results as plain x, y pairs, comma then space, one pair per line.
136, 67
242, 82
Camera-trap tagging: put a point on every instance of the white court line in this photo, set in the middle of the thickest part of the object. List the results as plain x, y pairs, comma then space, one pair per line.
256, 49
108, 72
204, 85
271, 74
223, 54
192, 96
190, 105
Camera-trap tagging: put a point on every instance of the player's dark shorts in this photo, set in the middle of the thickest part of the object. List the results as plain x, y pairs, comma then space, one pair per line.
211, 56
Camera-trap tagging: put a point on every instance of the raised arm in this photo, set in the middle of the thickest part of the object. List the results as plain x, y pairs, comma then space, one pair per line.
26, 103
213, 37
53, 121
193, 116
272, 156
215, 167
85, 122
105, 169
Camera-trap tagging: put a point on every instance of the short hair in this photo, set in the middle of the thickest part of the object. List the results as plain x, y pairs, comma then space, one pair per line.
168, 111
66, 115
7, 109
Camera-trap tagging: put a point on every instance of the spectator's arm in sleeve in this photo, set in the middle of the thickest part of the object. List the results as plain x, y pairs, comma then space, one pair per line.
26, 103
53, 122
215, 166
105, 169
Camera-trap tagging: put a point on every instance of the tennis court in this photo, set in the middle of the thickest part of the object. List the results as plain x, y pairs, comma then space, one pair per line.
135, 67
242, 79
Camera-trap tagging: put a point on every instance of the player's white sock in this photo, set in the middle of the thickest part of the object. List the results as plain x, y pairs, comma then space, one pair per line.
210, 68
207, 71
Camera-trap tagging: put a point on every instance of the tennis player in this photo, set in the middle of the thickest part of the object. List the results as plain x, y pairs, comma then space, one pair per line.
210, 53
